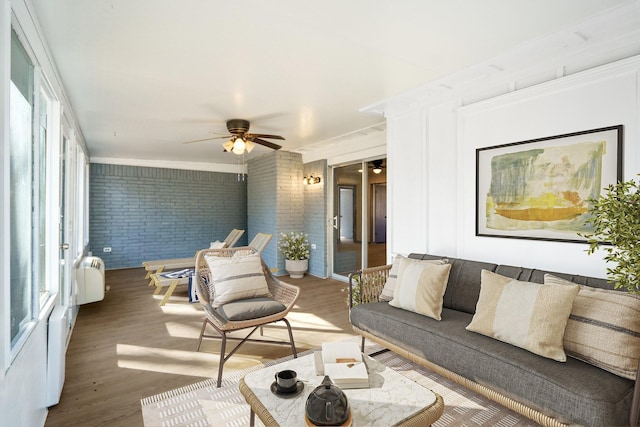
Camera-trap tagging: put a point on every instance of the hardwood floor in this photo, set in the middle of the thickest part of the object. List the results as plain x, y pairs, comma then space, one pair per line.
127, 347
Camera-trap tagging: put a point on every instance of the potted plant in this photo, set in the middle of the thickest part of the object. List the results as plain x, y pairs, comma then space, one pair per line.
615, 217
295, 249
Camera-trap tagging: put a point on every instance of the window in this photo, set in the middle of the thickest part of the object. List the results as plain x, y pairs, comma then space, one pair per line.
30, 120
41, 194
21, 176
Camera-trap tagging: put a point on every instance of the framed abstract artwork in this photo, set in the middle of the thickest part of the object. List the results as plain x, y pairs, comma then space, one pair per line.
540, 188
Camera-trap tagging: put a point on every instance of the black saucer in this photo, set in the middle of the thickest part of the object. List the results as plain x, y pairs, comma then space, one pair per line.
275, 390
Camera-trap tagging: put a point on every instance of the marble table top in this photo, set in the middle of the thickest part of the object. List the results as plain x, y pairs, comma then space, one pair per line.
390, 399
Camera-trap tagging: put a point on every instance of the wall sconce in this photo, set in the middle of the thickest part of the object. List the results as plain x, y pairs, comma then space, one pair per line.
309, 180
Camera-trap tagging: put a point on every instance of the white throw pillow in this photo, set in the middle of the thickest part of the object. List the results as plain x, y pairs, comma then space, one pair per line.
217, 245
420, 286
529, 315
392, 278
390, 284
235, 278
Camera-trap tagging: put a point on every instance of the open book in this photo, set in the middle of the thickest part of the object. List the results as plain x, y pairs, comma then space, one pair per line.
343, 363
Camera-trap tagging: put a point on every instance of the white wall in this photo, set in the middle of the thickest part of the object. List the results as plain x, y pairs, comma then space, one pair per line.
605, 96
23, 389
433, 132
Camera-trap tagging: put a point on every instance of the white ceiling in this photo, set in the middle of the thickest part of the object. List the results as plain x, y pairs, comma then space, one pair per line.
143, 76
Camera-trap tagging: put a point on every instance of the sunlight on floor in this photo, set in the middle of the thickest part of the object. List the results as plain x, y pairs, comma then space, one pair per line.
183, 309
311, 321
178, 362
181, 330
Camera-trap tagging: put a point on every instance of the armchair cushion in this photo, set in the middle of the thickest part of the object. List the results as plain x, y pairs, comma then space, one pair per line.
252, 308
235, 278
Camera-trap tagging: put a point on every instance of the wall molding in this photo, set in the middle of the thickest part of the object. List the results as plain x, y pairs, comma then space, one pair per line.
604, 38
166, 164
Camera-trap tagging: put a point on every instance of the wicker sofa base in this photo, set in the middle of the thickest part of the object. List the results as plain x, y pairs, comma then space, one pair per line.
505, 401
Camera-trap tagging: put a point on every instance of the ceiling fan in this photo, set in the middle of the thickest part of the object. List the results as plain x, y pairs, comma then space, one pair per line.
240, 138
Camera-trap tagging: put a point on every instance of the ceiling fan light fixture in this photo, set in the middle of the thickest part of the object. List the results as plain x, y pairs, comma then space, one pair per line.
377, 170
228, 146
239, 146
250, 146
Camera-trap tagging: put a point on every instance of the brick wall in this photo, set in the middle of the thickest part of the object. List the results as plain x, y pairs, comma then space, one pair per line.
315, 217
278, 202
290, 197
262, 202
155, 213
275, 200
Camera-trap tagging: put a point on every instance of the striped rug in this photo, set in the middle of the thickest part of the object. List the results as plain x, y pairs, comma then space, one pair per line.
203, 405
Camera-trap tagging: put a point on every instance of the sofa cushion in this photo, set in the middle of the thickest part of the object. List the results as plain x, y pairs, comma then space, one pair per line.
529, 315
420, 286
463, 288
236, 277
603, 328
573, 392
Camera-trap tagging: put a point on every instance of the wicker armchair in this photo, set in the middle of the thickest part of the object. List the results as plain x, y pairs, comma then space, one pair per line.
282, 292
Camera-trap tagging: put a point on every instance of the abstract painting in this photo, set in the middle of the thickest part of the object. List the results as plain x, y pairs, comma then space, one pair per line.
540, 188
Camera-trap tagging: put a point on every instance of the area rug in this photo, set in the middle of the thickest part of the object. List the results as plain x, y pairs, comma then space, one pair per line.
203, 405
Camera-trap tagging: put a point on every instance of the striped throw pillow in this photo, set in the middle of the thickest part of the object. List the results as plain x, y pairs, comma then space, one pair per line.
603, 329
235, 278
420, 287
390, 284
529, 315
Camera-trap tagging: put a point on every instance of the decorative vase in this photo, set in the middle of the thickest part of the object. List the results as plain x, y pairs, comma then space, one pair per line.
296, 268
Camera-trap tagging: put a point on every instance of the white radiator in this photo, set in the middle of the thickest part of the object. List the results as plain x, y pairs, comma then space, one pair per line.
90, 280
57, 329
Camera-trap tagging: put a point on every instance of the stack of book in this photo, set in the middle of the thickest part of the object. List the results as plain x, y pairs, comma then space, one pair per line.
343, 363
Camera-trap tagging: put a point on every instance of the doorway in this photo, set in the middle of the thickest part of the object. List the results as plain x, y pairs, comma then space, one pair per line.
359, 217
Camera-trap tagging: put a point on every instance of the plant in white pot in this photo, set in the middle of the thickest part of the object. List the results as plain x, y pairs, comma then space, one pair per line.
615, 218
295, 249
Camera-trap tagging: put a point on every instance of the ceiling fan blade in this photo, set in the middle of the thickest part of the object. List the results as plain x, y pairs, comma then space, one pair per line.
207, 139
263, 135
265, 143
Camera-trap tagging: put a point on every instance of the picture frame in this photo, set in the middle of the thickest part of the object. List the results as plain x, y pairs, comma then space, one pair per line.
540, 188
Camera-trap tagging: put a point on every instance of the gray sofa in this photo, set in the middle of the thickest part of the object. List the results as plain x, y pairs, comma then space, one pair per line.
547, 391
